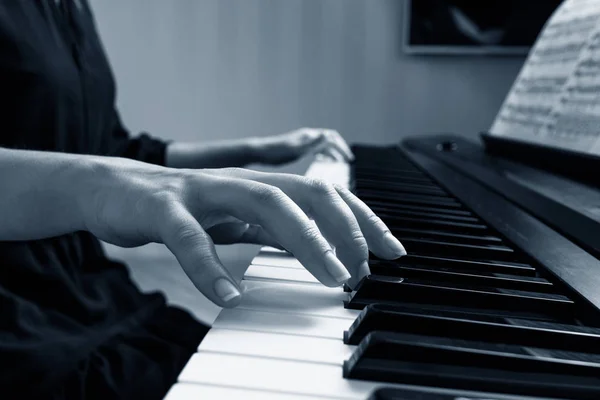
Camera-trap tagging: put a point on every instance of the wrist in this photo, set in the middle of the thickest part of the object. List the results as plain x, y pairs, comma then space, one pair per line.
253, 149
42, 193
89, 175
219, 154
99, 179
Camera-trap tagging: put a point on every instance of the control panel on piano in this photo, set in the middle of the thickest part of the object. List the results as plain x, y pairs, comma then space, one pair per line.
464, 316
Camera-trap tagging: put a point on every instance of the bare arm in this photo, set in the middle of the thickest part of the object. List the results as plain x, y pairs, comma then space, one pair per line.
270, 150
130, 203
40, 192
215, 154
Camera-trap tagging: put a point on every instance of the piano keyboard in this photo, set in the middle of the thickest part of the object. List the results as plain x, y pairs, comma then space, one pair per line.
463, 316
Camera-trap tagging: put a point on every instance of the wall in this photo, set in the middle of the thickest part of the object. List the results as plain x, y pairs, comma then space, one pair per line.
201, 69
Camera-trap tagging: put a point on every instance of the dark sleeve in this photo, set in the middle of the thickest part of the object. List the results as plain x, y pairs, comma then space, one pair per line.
143, 147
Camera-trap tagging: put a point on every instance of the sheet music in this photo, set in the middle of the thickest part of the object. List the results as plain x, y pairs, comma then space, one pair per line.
555, 100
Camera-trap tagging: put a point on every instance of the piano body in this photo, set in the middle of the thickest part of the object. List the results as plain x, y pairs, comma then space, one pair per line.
499, 295
497, 298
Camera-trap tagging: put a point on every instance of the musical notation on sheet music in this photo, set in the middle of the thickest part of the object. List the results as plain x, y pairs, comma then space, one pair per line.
576, 122
554, 100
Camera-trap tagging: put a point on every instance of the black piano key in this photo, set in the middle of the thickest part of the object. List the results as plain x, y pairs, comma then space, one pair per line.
392, 206
461, 264
495, 352
440, 202
396, 187
403, 174
477, 312
388, 195
430, 281
426, 215
468, 251
393, 183
379, 164
457, 364
523, 283
387, 290
478, 328
410, 180
403, 168
392, 393
436, 224
395, 179
402, 233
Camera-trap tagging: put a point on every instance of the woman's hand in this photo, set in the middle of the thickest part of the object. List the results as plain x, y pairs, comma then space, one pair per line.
270, 150
130, 203
290, 146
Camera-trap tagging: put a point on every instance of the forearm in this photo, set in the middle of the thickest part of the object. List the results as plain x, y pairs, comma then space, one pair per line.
217, 154
40, 193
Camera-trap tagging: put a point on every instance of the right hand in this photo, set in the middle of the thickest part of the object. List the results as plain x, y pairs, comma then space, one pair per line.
128, 203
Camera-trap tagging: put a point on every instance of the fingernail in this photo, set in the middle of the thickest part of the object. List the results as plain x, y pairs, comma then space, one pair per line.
335, 268
226, 290
394, 244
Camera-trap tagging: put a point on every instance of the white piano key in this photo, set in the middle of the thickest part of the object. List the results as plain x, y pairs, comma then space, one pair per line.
280, 346
192, 391
334, 172
296, 377
293, 324
277, 260
273, 375
272, 273
294, 298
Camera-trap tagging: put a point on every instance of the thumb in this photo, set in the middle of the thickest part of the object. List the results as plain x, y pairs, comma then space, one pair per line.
195, 251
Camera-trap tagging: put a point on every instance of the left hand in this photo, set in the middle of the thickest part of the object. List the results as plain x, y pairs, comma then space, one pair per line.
290, 146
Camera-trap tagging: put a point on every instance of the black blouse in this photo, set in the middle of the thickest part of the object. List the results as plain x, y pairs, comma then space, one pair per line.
63, 304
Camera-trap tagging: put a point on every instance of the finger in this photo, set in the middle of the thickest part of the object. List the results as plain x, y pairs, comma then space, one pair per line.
339, 144
379, 237
268, 206
257, 235
241, 232
333, 217
227, 233
310, 138
324, 157
196, 254
326, 149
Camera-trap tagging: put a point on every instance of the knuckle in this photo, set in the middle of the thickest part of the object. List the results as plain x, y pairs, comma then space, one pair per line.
231, 171
309, 234
158, 201
186, 235
267, 194
359, 242
320, 188
374, 220
340, 189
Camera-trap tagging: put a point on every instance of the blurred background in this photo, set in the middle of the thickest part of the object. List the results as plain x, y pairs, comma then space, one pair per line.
205, 69
216, 69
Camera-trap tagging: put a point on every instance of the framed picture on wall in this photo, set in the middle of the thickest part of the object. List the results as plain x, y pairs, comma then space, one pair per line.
490, 27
